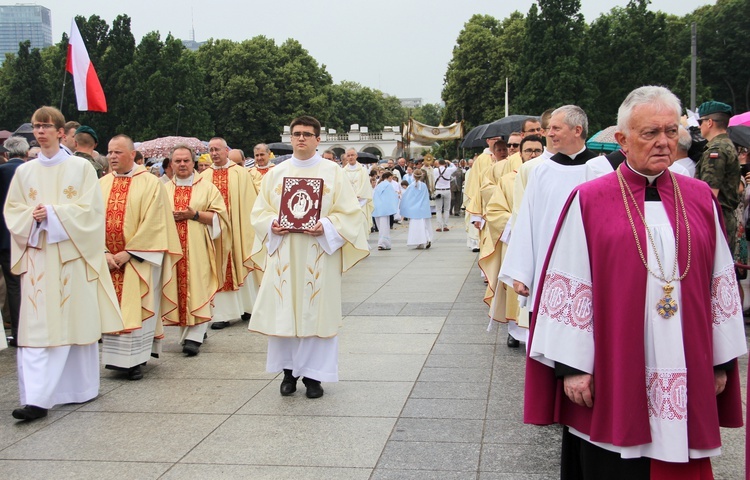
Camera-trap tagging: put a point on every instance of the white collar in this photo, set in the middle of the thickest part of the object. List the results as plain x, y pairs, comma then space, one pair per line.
650, 178
310, 162
184, 182
57, 159
226, 165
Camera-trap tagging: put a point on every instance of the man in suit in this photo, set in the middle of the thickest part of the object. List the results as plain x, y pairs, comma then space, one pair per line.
18, 148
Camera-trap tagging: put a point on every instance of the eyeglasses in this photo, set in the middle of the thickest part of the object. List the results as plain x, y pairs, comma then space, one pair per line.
42, 126
303, 134
532, 150
514, 145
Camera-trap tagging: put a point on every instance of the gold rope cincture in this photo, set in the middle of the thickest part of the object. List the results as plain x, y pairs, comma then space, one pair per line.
667, 306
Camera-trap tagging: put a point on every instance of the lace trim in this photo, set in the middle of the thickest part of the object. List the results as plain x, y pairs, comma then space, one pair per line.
725, 299
667, 393
567, 300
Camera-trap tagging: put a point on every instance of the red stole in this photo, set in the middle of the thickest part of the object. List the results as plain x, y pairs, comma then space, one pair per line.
181, 202
620, 412
221, 181
115, 237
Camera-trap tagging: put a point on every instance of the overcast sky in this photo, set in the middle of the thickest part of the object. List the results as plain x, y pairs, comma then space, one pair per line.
401, 47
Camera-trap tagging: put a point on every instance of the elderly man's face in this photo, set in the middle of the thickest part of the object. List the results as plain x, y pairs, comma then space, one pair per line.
351, 157
564, 138
261, 157
218, 151
650, 141
182, 163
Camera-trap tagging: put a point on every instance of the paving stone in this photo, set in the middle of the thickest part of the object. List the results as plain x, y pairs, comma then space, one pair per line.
387, 474
438, 430
519, 459
430, 455
444, 408
77, 470
195, 471
468, 391
447, 374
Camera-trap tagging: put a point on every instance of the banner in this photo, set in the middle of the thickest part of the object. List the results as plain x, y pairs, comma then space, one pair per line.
89, 92
426, 134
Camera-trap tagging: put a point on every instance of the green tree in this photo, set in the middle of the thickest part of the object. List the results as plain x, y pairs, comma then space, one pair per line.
352, 103
553, 70
21, 92
430, 114
723, 30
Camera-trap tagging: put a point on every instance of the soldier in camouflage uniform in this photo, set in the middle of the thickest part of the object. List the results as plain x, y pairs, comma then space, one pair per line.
719, 165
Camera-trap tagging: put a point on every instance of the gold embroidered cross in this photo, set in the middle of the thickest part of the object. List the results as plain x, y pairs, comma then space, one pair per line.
32, 193
70, 192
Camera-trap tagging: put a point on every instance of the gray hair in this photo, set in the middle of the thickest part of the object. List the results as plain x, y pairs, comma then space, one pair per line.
685, 140
17, 147
660, 97
262, 146
574, 117
182, 146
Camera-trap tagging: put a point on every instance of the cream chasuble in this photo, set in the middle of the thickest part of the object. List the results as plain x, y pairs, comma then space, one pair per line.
140, 221
238, 190
257, 173
473, 184
489, 235
300, 295
502, 299
68, 297
204, 249
360, 182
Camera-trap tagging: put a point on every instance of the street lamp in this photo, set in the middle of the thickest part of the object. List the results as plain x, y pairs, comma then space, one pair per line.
180, 107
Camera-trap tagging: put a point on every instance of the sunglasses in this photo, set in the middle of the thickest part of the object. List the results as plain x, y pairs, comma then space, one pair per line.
514, 145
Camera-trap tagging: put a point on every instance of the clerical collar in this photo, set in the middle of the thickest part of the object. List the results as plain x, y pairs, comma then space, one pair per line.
310, 162
650, 179
577, 159
129, 173
573, 157
356, 166
57, 159
184, 182
226, 165
264, 167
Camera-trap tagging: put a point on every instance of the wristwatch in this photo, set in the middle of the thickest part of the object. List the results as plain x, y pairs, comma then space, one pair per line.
195, 217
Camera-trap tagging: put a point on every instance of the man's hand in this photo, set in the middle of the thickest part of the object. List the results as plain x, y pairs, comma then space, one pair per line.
720, 381
122, 258
520, 288
477, 225
181, 215
277, 230
580, 389
39, 213
111, 261
316, 231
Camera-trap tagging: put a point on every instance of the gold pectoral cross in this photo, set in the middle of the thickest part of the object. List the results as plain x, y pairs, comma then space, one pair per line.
667, 306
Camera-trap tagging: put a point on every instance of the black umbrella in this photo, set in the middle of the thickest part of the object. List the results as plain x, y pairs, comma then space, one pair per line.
474, 139
281, 158
26, 131
505, 126
365, 157
280, 148
740, 134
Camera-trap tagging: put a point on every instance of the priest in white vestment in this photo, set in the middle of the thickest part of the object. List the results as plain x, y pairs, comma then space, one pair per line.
549, 185
55, 214
635, 352
299, 301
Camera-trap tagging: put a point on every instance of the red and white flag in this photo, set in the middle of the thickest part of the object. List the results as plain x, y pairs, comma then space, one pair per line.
89, 93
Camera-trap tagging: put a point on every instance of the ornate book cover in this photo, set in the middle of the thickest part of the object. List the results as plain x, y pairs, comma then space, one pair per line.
300, 203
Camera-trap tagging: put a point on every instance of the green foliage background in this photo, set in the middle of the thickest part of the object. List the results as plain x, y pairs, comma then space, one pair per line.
247, 91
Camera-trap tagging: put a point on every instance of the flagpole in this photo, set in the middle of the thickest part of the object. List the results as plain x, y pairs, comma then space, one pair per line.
62, 94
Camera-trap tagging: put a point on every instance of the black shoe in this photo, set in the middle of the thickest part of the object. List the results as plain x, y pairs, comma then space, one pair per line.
289, 384
219, 325
12, 342
29, 412
475, 250
245, 317
135, 373
314, 390
191, 348
512, 342
429, 244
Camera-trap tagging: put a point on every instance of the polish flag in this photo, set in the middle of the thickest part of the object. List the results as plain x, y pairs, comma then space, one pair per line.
89, 93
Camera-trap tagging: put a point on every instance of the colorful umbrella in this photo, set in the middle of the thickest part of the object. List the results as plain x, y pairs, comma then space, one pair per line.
604, 140
161, 147
741, 119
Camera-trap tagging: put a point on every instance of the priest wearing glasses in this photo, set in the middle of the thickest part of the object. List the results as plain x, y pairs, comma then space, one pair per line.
638, 322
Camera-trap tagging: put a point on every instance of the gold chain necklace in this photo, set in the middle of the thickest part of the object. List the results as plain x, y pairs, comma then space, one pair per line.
667, 306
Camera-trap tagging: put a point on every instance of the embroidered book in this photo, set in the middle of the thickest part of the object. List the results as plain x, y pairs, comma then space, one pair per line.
300, 203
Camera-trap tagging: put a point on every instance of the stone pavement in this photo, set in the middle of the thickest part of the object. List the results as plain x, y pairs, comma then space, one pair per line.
425, 392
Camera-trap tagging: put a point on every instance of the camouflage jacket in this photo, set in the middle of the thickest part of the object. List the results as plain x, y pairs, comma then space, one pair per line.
719, 167
97, 166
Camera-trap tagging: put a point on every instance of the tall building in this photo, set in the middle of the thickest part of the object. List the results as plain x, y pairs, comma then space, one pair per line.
19, 23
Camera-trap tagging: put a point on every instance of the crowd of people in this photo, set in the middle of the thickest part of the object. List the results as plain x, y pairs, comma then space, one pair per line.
618, 272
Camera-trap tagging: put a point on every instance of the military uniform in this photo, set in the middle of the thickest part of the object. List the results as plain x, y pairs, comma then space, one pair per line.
719, 167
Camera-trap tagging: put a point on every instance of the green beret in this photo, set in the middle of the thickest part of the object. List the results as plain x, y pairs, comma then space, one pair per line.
89, 130
707, 108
